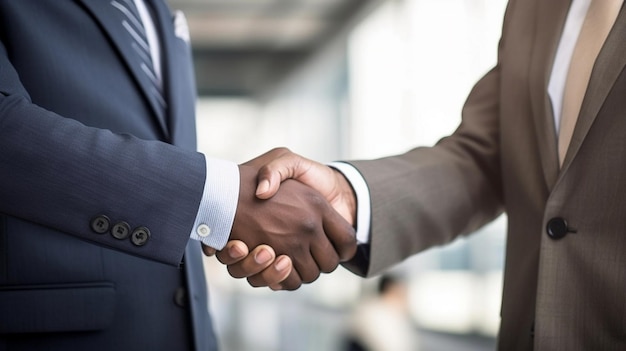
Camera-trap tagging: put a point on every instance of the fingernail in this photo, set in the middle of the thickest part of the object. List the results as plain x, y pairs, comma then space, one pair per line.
235, 251
262, 257
263, 187
281, 264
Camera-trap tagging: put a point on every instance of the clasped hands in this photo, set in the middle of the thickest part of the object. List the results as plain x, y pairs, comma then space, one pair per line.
296, 215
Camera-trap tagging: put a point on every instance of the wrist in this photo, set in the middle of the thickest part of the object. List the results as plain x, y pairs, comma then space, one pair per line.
218, 204
348, 198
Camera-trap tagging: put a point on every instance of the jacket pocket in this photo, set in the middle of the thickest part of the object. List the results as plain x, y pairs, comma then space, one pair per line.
56, 307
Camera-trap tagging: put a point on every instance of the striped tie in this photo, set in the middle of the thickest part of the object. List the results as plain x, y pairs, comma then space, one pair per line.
131, 21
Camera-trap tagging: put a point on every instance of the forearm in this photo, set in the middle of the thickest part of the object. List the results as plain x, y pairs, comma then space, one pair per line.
429, 196
61, 174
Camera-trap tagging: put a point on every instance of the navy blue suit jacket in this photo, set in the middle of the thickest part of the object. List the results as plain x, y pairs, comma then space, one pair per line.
83, 148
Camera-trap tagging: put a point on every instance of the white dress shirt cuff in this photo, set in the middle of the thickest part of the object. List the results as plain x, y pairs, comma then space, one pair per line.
216, 213
364, 211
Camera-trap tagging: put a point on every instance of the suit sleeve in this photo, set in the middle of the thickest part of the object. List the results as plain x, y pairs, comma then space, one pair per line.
83, 181
430, 195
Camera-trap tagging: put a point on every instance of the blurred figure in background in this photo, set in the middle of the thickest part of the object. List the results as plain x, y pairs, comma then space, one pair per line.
382, 322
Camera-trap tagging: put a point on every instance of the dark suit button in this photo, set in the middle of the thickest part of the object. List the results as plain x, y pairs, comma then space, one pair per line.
557, 228
140, 236
121, 230
100, 224
180, 297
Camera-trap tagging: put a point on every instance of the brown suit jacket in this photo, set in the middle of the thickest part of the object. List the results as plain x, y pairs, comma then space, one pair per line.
564, 294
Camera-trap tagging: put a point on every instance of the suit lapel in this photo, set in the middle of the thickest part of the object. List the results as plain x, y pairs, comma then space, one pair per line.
551, 17
609, 64
107, 16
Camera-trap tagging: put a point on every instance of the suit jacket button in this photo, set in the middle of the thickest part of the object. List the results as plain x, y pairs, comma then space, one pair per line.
180, 297
140, 236
121, 230
557, 228
100, 224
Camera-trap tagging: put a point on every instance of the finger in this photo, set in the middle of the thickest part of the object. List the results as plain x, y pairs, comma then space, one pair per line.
260, 258
292, 282
208, 251
306, 267
324, 254
322, 250
273, 275
340, 233
234, 251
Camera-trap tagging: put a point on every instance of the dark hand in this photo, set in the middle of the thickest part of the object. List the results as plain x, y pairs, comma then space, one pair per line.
277, 165
297, 222
261, 267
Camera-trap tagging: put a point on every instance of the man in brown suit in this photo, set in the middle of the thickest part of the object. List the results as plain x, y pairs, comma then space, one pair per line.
565, 272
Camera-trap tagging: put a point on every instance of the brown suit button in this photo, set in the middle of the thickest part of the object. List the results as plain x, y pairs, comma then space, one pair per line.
140, 236
120, 231
557, 228
100, 224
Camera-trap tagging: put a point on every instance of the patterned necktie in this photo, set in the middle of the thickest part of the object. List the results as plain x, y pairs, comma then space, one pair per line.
598, 22
131, 21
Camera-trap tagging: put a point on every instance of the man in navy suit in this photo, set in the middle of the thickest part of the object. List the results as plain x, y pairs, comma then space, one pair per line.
101, 188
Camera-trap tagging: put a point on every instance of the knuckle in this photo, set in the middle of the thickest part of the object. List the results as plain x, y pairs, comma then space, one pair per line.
309, 225
281, 150
316, 199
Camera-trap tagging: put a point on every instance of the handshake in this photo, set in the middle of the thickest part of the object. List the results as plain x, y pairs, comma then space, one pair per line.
294, 220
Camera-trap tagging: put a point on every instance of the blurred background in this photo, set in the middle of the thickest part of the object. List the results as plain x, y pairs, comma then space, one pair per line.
347, 79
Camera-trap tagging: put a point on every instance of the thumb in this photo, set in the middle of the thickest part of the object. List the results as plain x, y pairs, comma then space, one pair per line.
272, 174
268, 184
